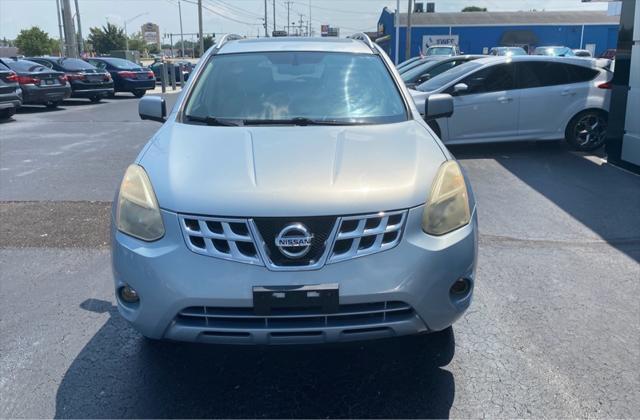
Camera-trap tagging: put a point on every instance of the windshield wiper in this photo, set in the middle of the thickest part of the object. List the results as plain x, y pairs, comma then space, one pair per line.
213, 121
299, 121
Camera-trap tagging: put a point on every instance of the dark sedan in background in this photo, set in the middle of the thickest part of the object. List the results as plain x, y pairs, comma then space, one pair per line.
40, 85
177, 66
127, 76
433, 67
86, 81
10, 92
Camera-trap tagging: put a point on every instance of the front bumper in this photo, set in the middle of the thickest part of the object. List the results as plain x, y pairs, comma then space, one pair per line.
418, 274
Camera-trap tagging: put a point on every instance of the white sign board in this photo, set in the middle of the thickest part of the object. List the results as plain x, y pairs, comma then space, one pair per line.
435, 40
150, 37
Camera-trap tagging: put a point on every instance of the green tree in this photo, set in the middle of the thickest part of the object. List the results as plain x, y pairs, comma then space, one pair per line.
474, 9
137, 43
107, 38
207, 42
34, 41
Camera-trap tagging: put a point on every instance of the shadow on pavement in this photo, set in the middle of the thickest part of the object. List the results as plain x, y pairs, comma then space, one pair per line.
37, 109
81, 102
120, 374
602, 197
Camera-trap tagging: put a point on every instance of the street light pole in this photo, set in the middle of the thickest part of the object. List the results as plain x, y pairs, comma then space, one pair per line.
200, 28
60, 28
126, 33
80, 40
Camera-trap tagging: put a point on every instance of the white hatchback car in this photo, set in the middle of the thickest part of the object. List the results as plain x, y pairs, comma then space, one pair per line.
523, 98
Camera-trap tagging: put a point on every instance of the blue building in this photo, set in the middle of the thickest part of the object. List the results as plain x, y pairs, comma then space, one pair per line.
477, 32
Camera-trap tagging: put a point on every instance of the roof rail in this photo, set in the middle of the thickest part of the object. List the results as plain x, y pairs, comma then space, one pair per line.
361, 36
226, 38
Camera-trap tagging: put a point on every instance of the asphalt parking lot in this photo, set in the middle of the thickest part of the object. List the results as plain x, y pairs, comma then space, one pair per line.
554, 330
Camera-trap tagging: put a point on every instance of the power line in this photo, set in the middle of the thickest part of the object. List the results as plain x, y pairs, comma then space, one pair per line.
221, 15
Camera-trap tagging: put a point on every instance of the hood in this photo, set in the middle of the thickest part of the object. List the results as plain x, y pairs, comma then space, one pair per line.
290, 170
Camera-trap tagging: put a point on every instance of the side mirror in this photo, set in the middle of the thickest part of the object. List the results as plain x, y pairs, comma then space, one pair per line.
437, 106
152, 108
460, 87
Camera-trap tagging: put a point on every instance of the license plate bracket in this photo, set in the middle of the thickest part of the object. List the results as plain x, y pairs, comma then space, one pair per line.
268, 299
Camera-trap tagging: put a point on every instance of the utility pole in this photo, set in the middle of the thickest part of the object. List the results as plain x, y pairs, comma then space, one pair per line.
301, 30
274, 16
80, 40
397, 30
288, 17
69, 30
200, 28
407, 52
60, 28
266, 23
181, 36
309, 24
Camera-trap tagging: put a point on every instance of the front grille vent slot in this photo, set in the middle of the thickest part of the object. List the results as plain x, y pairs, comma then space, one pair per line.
351, 316
220, 237
366, 234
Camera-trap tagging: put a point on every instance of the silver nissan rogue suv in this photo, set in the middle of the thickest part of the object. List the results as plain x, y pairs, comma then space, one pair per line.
294, 194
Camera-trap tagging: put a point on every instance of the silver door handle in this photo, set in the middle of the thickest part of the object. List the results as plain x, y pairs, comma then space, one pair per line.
505, 99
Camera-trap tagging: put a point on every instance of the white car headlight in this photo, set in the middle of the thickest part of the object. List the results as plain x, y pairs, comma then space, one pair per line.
138, 213
448, 205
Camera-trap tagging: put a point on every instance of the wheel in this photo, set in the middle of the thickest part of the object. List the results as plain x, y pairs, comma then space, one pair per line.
7, 113
95, 99
139, 93
588, 130
53, 104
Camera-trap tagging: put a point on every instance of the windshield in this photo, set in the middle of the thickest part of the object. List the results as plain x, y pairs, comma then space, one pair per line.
415, 72
448, 76
554, 51
73, 64
25, 66
122, 63
321, 86
439, 50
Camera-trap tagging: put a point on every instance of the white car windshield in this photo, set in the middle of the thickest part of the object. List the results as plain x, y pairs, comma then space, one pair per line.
281, 86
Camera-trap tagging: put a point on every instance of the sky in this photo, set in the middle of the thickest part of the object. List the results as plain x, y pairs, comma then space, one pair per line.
243, 17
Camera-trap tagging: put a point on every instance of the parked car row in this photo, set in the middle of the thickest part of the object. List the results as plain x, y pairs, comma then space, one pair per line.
50, 80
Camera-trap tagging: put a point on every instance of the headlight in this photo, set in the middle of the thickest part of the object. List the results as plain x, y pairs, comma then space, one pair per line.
448, 205
138, 213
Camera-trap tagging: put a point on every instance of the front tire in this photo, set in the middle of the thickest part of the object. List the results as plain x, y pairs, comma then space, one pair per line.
587, 131
7, 113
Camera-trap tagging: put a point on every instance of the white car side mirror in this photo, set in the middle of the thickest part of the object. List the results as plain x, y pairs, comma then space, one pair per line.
460, 87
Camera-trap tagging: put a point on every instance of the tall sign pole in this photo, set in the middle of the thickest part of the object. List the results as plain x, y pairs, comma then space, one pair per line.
181, 35
80, 40
200, 28
407, 52
266, 16
60, 27
69, 30
397, 31
274, 16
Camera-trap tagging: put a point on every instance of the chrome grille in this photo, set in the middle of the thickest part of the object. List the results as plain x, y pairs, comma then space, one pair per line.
367, 234
225, 238
352, 315
240, 240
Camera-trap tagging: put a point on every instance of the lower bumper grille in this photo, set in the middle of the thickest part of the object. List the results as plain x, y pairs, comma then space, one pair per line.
348, 316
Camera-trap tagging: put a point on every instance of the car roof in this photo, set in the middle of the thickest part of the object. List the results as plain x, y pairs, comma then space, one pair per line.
494, 59
328, 44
